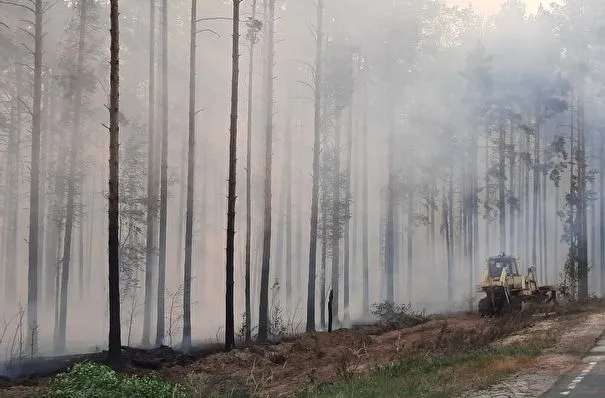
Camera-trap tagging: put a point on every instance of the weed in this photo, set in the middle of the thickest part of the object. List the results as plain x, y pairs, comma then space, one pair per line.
88, 380
398, 316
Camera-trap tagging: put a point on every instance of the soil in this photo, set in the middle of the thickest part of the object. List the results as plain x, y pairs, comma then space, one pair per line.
576, 335
310, 359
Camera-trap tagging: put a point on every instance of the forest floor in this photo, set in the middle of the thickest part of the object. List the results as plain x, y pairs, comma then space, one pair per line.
444, 356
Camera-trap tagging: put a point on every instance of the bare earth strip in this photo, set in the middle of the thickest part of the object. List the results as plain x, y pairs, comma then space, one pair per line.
536, 380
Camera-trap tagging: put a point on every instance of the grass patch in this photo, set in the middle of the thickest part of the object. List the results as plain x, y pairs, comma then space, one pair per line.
89, 380
439, 376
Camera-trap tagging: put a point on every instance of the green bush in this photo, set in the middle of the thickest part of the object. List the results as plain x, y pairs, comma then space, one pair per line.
88, 380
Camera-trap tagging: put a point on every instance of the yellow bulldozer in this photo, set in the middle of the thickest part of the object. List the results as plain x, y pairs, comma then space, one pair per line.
508, 290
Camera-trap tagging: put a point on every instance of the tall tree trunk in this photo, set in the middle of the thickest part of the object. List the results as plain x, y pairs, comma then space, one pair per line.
230, 263
288, 171
32, 277
347, 231
182, 202
60, 339
410, 229
447, 215
487, 198
601, 210
91, 233
364, 203
502, 186
389, 233
324, 256
151, 184
248, 321
474, 218
263, 318
544, 207
81, 286
583, 288
336, 220
278, 259
160, 326
115, 343
315, 187
511, 193
190, 181
557, 237
534, 241
11, 204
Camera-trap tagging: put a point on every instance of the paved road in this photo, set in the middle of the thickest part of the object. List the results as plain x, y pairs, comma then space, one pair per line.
586, 380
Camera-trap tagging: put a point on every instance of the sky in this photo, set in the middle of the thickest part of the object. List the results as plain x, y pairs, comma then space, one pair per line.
492, 6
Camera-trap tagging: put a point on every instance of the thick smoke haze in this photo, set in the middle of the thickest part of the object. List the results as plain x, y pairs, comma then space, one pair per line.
460, 133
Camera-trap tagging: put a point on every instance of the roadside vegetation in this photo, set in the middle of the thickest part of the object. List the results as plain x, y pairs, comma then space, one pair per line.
405, 353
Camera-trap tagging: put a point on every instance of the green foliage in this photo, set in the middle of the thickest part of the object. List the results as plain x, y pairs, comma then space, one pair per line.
88, 380
398, 315
279, 326
440, 376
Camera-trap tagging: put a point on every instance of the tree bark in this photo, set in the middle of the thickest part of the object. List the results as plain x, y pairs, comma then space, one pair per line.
410, 229
160, 326
263, 318
151, 185
230, 263
536, 189
32, 277
336, 219
364, 202
601, 210
502, 186
315, 187
288, 172
114, 352
248, 325
60, 339
11, 204
390, 214
347, 237
190, 184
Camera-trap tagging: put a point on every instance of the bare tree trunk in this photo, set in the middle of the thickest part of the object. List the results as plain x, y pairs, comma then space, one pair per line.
32, 277
190, 187
91, 233
160, 326
288, 171
364, 203
534, 254
544, 207
583, 288
410, 229
336, 220
248, 325
81, 286
60, 339
151, 185
263, 318
115, 343
502, 186
447, 214
324, 256
390, 214
487, 223
511, 193
230, 263
347, 238
315, 188
11, 204
182, 202
601, 210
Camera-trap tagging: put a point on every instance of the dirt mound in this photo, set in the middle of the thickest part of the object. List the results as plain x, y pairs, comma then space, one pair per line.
319, 357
